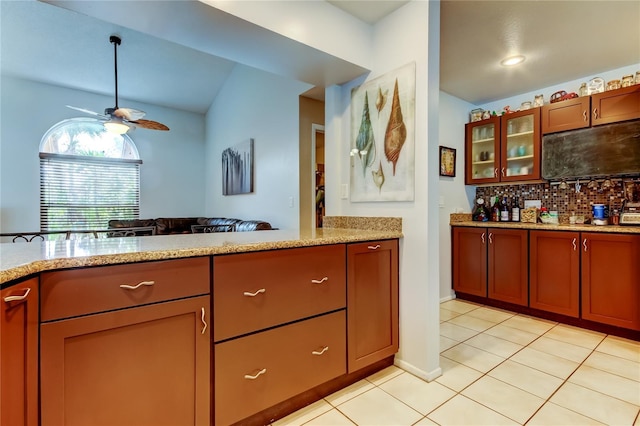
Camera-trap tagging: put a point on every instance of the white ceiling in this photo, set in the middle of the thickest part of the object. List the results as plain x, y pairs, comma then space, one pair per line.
563, 41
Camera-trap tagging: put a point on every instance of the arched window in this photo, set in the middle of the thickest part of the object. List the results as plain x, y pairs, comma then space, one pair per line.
88, 176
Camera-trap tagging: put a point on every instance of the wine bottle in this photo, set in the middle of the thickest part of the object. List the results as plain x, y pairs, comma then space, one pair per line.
504, 210
515, 210
495, 210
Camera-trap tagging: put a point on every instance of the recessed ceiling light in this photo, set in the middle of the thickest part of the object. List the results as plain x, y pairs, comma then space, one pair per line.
512, 60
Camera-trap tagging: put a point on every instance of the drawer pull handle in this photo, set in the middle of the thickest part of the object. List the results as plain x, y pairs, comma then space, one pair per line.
482, 237
140, 284
203, 322
17, 298
320, 281
258, 374
376, 247
585, 117
595, 113
490, 239
262, 290
584, 244
326, 348
574, 245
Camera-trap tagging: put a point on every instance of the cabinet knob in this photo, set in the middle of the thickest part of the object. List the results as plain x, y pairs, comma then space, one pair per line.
8, 299
320, 281
257, 292
255, 376
140, 284
320, 352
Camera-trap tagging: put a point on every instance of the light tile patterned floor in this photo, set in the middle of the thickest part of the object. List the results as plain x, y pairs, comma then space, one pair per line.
499, 368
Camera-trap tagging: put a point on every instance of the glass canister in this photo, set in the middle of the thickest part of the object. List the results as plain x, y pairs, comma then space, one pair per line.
637, 77
627, 80
596, 85
582, 91
538, 101
613, 84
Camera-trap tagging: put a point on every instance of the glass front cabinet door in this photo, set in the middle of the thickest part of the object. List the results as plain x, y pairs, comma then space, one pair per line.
520, 146
482, 151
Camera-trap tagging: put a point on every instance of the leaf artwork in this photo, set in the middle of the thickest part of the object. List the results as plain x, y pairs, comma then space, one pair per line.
396, 133
378, 177
365, 142
381, 100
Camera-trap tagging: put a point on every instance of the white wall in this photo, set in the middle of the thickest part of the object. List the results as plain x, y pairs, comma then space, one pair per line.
172, 173
401, 38
256, 104
454, 195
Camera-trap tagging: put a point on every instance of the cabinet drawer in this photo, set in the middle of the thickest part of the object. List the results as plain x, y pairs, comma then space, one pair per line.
293, 358
253, 291
89, 290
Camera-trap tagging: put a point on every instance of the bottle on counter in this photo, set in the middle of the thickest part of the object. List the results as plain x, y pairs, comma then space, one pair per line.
480, 211
495, 210
504, 210
515, 210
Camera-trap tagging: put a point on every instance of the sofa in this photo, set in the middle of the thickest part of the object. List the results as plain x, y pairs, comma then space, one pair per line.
188, 225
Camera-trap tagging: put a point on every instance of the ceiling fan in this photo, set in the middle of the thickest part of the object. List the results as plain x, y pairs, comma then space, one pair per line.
117, 119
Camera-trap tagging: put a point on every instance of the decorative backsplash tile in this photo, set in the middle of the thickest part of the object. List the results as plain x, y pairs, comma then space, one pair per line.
564, 201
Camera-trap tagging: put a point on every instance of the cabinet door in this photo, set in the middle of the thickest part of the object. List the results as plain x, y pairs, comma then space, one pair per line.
615, 105
19, 354
554, 264
566, 115
139, 366
470, 261
520, 146
610, 274
372, 302
508, 265
482, 151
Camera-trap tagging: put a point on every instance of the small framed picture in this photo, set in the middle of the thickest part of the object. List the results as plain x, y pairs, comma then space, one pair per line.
447, 161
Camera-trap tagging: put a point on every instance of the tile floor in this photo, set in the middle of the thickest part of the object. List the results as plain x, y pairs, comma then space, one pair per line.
498, 368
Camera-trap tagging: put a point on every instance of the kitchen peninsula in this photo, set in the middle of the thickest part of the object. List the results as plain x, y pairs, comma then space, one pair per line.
275, 318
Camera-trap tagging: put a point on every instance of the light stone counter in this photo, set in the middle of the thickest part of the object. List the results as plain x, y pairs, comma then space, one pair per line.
19, 260
618, 229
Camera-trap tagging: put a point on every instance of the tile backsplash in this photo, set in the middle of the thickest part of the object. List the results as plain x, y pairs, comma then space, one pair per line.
564, 201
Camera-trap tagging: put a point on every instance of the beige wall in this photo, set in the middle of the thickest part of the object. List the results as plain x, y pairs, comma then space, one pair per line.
311, 112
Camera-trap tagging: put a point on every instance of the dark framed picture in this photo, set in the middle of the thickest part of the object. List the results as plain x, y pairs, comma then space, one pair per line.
447, 161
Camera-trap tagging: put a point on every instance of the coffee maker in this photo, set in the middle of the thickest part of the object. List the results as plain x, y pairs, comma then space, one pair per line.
630, 214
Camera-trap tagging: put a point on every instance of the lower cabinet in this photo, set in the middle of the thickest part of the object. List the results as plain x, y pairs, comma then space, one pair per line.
554, 265
255, 372
19, 354
508, 278
470, 261
140, 366
610, 279
372, 302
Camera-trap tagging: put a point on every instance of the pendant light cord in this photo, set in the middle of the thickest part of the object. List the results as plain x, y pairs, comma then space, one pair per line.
116, 41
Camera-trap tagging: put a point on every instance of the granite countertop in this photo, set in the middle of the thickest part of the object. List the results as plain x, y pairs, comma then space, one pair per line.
465, 220
19, 260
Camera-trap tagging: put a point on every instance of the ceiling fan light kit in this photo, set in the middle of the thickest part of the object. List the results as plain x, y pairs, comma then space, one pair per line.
121, 120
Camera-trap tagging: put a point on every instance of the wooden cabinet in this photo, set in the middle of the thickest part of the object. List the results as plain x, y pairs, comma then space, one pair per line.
508, 265
470, 260
503, 149
566, 115
482, 151
146, 364
372, 302
615, 105
254, 291
554, 271
19, 354
255, 372
609, 279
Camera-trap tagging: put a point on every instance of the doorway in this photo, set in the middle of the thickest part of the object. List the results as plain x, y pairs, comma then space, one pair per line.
318, 171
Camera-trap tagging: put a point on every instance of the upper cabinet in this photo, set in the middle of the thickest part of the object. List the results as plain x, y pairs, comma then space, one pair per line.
601, 108
503, 149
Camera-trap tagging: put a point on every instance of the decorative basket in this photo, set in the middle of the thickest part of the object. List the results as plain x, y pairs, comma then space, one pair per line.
529, 215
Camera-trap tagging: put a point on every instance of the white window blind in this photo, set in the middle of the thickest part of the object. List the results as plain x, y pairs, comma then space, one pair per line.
78, 192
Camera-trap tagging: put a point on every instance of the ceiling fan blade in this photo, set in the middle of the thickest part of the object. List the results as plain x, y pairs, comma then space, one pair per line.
149, 124
86, 111
129, 114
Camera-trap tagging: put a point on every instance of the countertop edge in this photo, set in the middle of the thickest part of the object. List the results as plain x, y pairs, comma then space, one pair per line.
612, 229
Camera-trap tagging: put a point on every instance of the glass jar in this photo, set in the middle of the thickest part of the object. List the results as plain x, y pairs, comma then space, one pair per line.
538, 100
613, 85
582, 91
596, 85
627, 80
637, 77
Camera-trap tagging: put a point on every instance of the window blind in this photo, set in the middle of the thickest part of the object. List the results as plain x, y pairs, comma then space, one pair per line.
84, 193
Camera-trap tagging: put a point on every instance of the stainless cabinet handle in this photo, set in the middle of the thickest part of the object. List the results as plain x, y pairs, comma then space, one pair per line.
326, 348
17, 298
595, 113
495, 172
490, 240
262, 290
482, 237
376, 247
258, 374
203, 322
140, 284
503, 172
320, 281
584, 244
575, 247
585, 117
